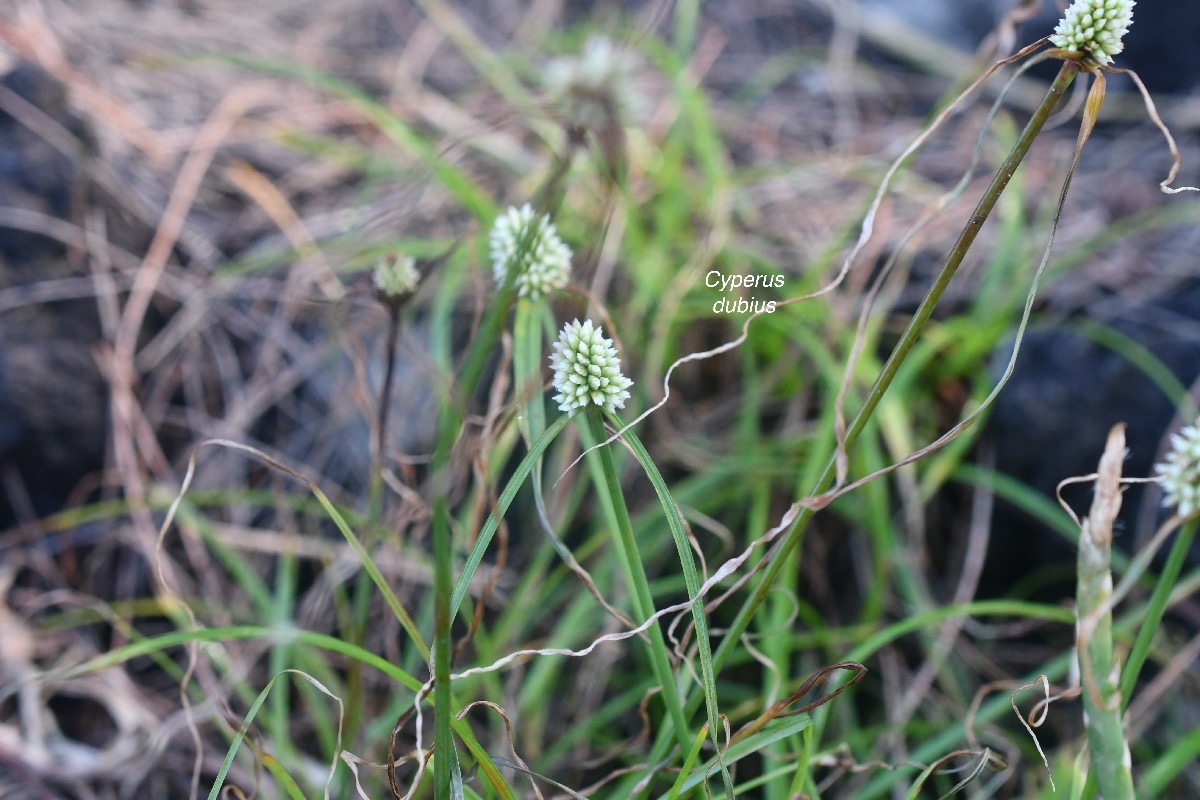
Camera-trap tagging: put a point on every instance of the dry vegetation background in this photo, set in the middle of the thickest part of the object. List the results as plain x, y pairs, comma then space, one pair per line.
187, 234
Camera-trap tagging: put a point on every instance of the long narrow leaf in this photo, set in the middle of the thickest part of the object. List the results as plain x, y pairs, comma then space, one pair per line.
505, 500
692, 582
777, 731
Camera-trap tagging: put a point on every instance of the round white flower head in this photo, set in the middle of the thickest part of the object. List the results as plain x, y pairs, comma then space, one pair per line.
1180, 473
1094, 28
530, 244
587, 369
396, 275
596, 86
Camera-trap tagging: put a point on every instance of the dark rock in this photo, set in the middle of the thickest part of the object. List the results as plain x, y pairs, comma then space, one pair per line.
53, 407
1050, 423
1160, 45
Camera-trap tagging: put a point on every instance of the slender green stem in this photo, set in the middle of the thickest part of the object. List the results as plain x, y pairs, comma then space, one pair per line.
911, 334
443, 581
643, 600
453, 407
375, 503
375, 493
909, 338
528, 366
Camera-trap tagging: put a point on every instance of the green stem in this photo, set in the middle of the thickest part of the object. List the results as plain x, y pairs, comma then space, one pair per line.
527, 367
443, 706
375, 493
443, 583
375, 503
911, 334
453, 408
643, 600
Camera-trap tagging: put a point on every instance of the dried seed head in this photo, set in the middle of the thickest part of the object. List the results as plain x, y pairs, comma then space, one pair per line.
1094, 28
1180, 473
596, 87
529, 243
587, 369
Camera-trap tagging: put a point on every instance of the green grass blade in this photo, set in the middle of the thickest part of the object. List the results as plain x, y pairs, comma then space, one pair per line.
527, 366
334, 515
283, 777
445, 758
1179, 756
641, 596
230, 633
276, 769
1155, 609
776, 730
505, 500
688, 764
691, 579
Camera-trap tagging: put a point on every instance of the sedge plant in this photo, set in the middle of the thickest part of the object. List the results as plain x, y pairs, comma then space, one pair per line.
1085, 41
531, 268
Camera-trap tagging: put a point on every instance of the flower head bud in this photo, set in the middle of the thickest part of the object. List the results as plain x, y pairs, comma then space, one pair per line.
1094, 28
1180, 473
596, 87
587, 369
395, 275
528, 243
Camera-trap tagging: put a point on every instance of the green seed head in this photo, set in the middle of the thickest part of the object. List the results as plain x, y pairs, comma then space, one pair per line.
1094, 28
529, 243
396, 276
587, 369
1180, 473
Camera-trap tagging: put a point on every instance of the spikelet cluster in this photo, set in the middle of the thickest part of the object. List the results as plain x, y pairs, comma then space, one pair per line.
1094, 28
396, 276
527, 242
597, 86
1179, 474
587, 369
